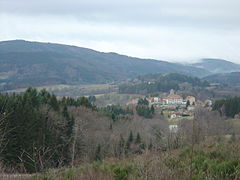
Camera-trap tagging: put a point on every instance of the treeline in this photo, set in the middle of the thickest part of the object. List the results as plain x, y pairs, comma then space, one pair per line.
36, 129
151, 83
116, 112
228, 107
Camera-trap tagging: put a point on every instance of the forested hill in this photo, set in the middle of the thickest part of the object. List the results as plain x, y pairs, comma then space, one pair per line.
224, 78
25, 64
151, 83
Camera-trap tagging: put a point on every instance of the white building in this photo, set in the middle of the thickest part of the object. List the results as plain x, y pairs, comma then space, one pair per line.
173, 99
173, 128
191, 99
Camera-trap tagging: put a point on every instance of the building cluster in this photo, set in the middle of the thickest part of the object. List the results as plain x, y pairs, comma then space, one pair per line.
173, 100
174, 104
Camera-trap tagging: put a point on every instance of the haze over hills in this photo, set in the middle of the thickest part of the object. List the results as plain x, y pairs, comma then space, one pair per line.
25, 64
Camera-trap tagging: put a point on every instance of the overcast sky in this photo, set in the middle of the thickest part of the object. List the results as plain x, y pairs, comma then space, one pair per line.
173, 30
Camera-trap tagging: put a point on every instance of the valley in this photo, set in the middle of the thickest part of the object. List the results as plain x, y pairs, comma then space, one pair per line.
74, 113
119, 90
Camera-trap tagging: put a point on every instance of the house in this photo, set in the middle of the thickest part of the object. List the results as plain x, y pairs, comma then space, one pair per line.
173, 99
191, 100
173, 128
190, 108
208, 102
173, 116
133, 102
156, 100
199, 103
150, 82
153, 100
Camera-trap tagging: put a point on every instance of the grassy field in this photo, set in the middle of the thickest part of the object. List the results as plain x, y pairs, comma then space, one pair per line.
115, 98
48, 88
74, 90
175, 121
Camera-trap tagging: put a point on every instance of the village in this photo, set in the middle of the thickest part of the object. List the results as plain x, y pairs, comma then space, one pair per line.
174, 105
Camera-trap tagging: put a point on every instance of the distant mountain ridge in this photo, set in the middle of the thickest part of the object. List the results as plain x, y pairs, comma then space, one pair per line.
25, 64
217, 65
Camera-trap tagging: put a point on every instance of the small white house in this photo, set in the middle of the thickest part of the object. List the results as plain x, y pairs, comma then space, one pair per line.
208, 102
156, 99
173, 116
190, 108
173, 128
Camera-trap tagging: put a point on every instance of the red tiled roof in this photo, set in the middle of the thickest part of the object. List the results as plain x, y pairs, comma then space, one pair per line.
173, 96
190, 97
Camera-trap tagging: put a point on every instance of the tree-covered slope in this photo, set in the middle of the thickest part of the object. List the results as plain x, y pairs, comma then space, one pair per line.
151, 83
224, 78
26, 64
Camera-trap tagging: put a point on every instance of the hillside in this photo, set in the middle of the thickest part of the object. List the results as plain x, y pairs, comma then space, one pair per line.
26, 64
151, 83
217, 65
73, 139
224, 78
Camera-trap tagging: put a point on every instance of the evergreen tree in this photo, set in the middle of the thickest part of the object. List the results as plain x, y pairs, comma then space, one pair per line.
144, 111
129, 141
98, 153
92, 99
130, 138
188, 103
65, 112
152, 109
53, 102
143, 102
111, 127
113, 117
121, 145
138, 139
150, 146
162, 113
44, 96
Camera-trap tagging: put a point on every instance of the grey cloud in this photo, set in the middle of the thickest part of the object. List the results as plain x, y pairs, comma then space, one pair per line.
199, 13
162, 29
